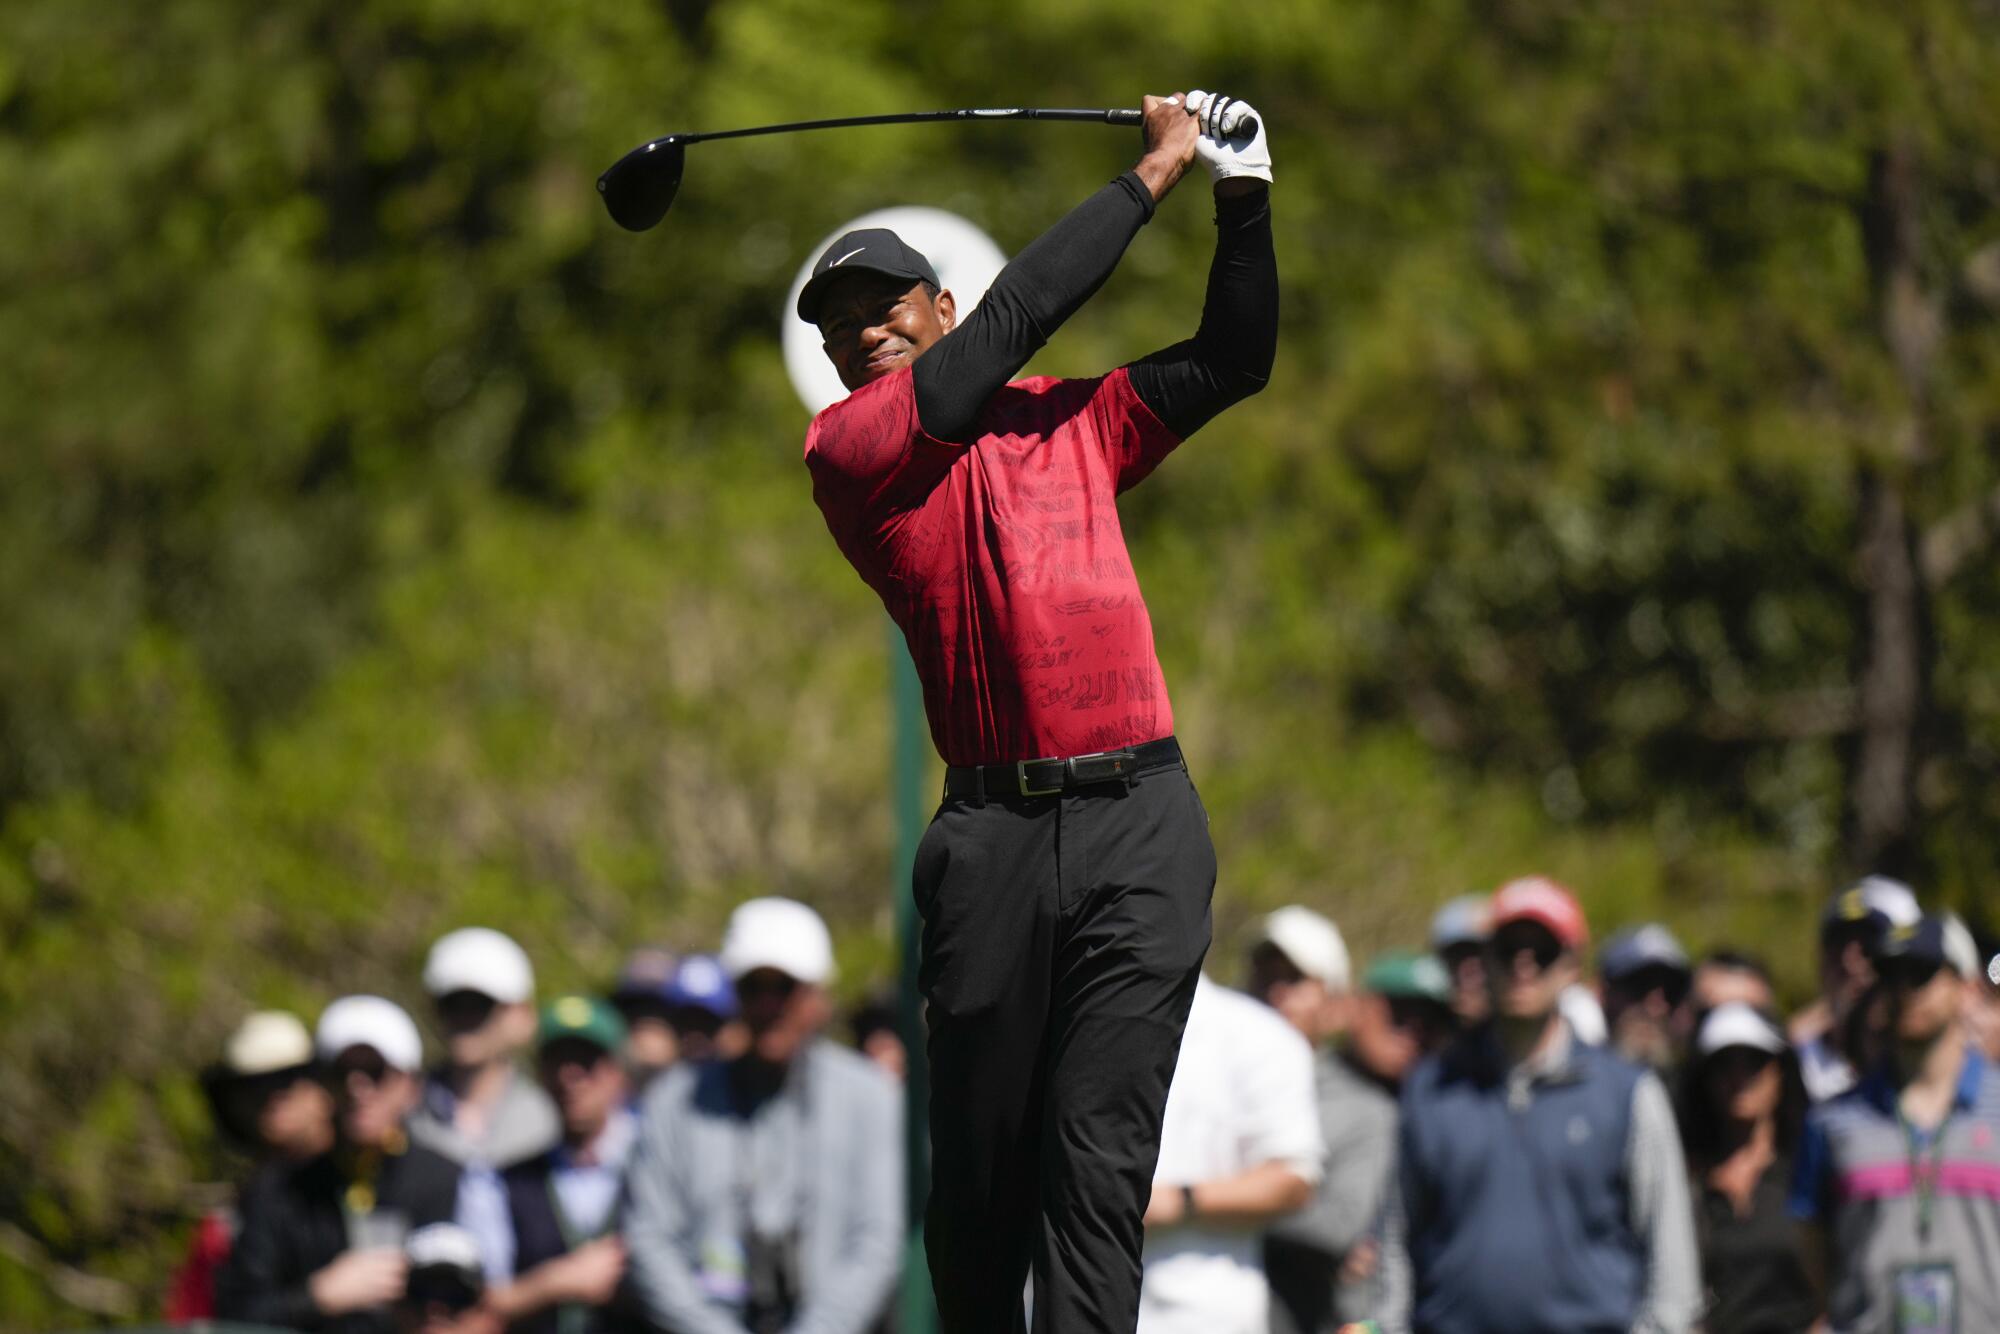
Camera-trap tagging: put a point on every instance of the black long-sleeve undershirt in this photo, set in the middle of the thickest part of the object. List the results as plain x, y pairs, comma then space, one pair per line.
1228, 359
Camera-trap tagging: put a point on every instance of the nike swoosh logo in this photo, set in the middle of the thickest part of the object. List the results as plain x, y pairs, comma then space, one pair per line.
844, 258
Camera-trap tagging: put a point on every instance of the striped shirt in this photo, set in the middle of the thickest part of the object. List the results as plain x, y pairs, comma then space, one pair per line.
1859, 1171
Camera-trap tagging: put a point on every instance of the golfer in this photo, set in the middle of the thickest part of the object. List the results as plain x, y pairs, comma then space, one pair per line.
1064, 882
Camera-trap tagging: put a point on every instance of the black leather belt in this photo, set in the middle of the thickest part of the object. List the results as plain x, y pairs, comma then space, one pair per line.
1051, 777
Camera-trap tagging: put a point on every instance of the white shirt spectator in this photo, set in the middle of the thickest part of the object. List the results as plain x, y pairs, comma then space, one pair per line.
1242, 1096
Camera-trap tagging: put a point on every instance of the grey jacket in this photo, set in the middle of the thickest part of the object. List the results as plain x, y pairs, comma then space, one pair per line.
1303, 1253
685, 1190
522, 1124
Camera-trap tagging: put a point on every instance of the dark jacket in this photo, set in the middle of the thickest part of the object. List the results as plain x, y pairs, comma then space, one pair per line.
1517, 1207
295, 1224
540, 1236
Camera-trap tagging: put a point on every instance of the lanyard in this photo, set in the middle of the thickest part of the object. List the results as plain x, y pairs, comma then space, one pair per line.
1924, 1177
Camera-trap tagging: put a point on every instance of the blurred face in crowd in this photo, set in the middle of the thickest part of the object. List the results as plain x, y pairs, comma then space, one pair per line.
1925, 1000
1845, 970
884, 1046
781, 1013
1718, 983
1305, 1002
1648, 1014
1390, 1033
479, 1030
371, 1097
651, 1044
1527, 969
295, 1117
1743, 1084
1982, 1016
1466, 963
704, 1035
587, 1083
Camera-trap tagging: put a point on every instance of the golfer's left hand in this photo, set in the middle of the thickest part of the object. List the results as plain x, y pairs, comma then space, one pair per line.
1228, 159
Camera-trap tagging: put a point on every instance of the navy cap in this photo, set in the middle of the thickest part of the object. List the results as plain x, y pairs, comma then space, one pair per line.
647, 974
1650, 945
700, 982
869, 250
1921, 941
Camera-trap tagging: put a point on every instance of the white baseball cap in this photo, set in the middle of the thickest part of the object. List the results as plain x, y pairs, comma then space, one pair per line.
370, 1021
1734, 1024
478, 958
1960, 953
443, 1246
1312, 942
778, 933
266, 1042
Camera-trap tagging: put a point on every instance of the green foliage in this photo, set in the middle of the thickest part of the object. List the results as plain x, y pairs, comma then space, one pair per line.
387, 542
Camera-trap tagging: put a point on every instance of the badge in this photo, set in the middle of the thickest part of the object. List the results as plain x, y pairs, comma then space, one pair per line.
725, 1271
1926, 1298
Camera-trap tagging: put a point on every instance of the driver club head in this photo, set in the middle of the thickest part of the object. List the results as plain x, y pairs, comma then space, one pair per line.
639, 188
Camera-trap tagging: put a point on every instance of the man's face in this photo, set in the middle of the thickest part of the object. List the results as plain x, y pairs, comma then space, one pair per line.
586, 1082
1392, 1032
1647, 1012
781, 1013
1924, 999
650, 1042
1527, 969
1466, 962
1304, 1001
874, 325
371, 1097
479, 1029
296, 1119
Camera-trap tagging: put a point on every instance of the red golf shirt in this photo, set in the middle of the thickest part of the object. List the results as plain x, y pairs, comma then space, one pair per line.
1003, 561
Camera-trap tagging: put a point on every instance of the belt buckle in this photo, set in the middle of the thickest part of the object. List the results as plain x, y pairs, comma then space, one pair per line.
1021, 777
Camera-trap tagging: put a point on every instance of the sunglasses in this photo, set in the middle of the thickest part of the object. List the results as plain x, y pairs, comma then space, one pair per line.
1910, 973
1742, 1062
1533, 940
466, 1009
1410, 1013
766, 982
361, 1061
1670, 982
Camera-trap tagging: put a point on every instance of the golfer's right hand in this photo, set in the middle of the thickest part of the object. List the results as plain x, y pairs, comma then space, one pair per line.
1170, 134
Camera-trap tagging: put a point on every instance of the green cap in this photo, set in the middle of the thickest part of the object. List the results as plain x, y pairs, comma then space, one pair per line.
1409, 973
583, 1017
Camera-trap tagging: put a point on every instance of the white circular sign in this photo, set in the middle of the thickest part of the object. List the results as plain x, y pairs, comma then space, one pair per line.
966, 259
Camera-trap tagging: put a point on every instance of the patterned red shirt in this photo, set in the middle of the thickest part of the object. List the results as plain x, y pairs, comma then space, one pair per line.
1003, 561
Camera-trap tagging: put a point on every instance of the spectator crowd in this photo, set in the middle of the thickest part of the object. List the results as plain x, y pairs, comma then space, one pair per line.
1508, 1128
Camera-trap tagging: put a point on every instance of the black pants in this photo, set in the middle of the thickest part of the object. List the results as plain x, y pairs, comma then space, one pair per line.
1062, 938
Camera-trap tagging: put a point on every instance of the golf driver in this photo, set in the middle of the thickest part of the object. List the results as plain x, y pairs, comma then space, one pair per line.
639, 188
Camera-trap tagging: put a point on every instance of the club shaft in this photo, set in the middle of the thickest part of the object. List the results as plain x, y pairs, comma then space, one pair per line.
1107, 117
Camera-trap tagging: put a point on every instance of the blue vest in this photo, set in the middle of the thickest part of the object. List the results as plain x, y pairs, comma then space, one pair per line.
1518, 1219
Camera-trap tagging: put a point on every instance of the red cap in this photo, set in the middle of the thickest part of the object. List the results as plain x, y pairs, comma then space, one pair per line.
1536, 898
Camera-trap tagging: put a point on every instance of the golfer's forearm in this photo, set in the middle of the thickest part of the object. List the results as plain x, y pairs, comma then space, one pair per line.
1043, 286
1229, 358
1256, 1196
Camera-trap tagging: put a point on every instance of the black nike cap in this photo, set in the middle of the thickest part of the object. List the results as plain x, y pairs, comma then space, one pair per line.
870, 250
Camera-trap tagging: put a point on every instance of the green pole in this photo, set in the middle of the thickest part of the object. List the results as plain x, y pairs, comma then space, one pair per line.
911, 757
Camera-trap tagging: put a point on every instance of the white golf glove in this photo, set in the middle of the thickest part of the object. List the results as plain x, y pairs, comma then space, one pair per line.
1226, 156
